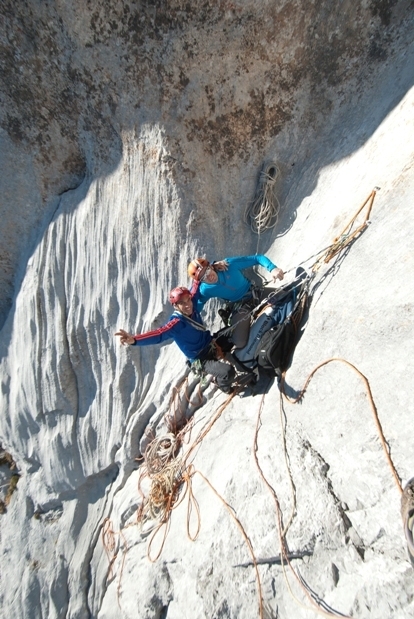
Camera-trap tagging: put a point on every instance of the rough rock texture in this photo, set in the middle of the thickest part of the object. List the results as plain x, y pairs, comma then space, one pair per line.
132, 135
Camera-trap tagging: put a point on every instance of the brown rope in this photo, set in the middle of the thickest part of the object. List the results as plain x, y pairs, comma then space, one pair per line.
347, 235
246, 539
282, 531
108, 541
167, 479
371, 401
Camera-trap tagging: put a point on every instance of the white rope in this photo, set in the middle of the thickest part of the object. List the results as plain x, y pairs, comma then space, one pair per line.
164, 469
263, 213
160, 452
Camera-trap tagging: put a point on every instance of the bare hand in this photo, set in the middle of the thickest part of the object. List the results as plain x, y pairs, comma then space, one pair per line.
277, 274
126, 338
221, 265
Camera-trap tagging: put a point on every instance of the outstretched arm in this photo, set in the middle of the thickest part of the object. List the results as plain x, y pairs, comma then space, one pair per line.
150, 337
275, 272
244, 262
125, 338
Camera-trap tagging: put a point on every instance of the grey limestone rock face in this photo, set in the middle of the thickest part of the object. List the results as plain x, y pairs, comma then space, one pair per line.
132, 137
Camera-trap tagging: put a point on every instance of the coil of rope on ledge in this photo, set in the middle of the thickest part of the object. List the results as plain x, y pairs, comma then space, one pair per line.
263, 213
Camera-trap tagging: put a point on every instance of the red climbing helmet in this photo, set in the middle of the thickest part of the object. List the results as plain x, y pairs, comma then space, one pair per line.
197, 268
177, 293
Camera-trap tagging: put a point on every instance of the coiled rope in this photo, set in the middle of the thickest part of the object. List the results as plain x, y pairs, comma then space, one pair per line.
175, 472
263, 213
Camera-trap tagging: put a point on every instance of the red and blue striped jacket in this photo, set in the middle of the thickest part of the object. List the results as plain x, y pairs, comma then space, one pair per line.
189, 339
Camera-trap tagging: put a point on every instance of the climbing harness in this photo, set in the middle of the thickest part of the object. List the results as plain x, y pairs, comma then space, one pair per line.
249, 301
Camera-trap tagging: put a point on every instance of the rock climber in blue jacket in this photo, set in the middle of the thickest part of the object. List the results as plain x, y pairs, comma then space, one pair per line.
186, 328
225, 279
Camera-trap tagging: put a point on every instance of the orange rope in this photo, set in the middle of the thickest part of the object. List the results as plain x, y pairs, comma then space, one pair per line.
371, 401
170, 499
346, 236
175, 409
206, 429
108, 541
166, 524
191, 501
370, 199
281, 531
246, 539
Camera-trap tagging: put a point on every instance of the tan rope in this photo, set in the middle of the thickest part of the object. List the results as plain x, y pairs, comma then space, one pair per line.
371, 401
246, 539
347, 235
283, 530
263, 213
108, 541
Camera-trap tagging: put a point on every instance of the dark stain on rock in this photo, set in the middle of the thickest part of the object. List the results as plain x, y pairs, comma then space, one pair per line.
14, 128
376, 50
62, 82
383, 10
231, 134
43, 81
184, 81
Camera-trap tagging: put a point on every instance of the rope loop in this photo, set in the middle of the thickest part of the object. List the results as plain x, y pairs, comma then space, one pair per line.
263, 213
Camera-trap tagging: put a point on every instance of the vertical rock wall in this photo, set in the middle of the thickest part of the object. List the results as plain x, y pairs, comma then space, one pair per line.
132, 136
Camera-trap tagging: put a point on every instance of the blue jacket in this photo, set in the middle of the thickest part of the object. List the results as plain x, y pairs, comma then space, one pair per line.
189, 339
232, 285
